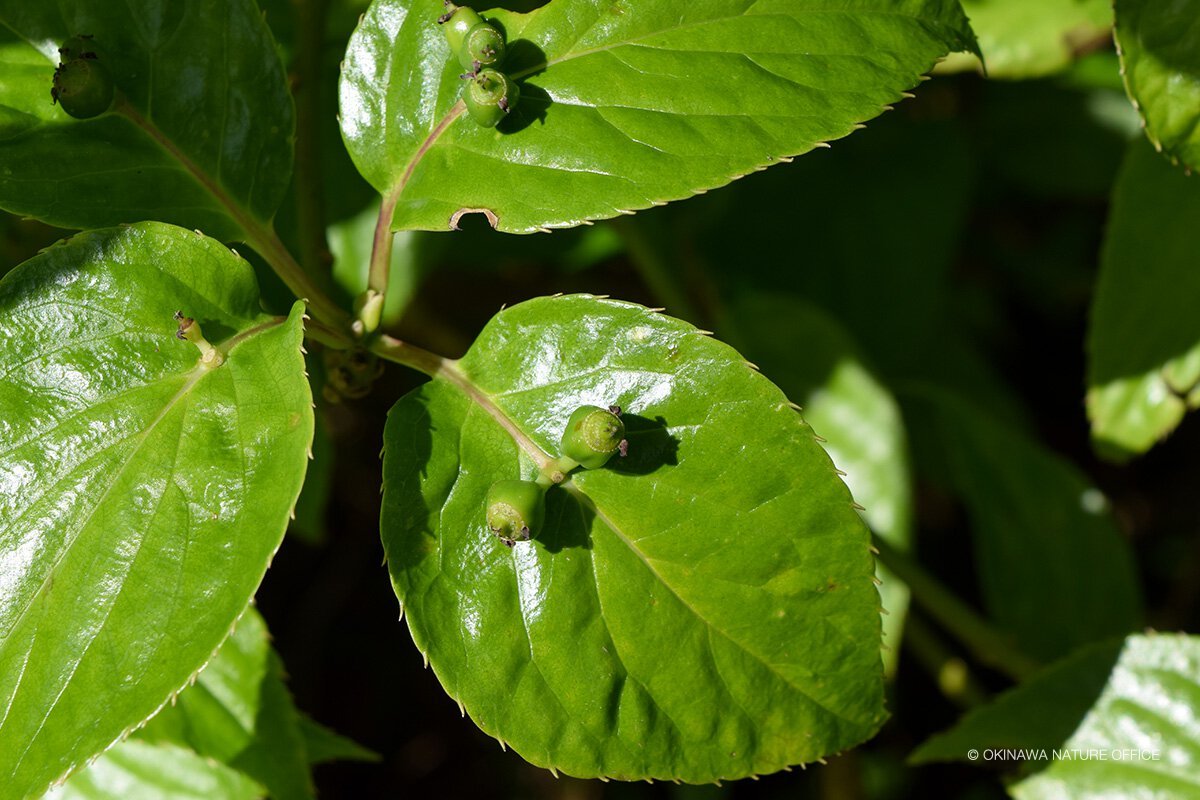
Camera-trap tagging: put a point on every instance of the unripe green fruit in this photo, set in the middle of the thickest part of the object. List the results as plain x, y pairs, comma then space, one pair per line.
83, 87
489, 96
81, 46
515, 510
456, 23
593, 434
483, 47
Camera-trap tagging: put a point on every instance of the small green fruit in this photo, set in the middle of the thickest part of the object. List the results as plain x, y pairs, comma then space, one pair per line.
515, 510
483, 47
81, 46
456, 23
593, 434
489, 96
83, 87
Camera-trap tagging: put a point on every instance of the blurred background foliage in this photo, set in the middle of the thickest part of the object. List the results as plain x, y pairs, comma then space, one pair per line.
922, 288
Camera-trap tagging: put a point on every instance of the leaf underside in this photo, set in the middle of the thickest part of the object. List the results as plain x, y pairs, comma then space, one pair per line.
702, 609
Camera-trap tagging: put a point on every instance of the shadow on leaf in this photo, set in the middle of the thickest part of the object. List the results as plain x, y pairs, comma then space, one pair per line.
651, 446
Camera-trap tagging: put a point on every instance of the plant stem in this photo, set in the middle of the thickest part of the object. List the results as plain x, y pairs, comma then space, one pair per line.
392, 349
280, 259
381, 248
989, 645
260, 236
397, 351
952, 675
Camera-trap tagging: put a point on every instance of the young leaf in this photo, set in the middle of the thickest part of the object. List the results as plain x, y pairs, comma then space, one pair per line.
1160, 57
1144, 342
701, 609
239, 713
1053, 568
143, 487
1145, 721
200, 134
140, 770
1032, 38
623, 106
815, 361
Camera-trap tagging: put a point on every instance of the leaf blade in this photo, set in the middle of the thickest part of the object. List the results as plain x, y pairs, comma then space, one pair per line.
125, 474
1158, 43
609, 120
601, 648
1144, 339
183, 74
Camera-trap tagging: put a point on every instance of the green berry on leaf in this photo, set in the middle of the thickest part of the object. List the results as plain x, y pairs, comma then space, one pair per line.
81, 46
82, 85
593, 435
483, 47
515, 510
489, 96
456, 23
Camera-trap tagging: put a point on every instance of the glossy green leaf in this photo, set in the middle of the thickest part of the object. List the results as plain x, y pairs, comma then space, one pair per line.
140, 770
1144, 342
1053, 569
815, 361
1040, 714
200, 134
623, 105
142, 494
322, 745
701, 609
239, 713
1032, 38
1160, 57
1147, 722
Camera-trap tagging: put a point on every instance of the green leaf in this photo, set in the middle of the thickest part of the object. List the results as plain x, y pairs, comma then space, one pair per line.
702, 609
323, 744
200, 134
142, 494
1145, 722
1160, 56
1040, 714
139, 770
815, 361
1144, 342
1053, 569
239, 712
1032, 38
623, 105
